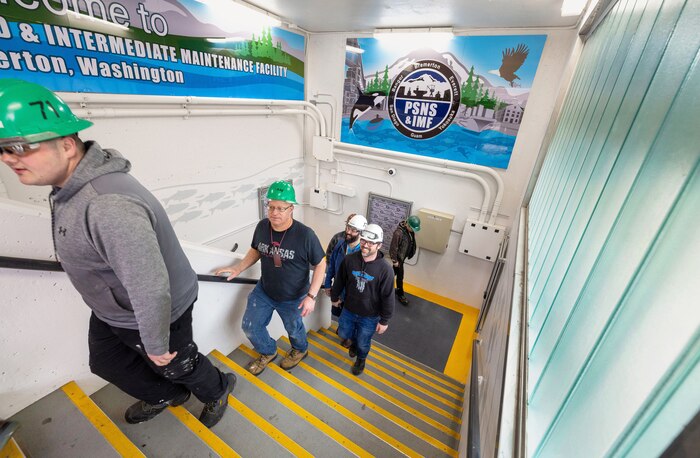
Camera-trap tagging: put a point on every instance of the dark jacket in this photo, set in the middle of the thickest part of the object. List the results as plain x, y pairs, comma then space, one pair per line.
115, 242
403, 243
332, 244
369, 286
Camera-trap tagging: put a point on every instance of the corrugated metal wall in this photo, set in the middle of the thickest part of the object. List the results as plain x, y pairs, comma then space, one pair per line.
614, 243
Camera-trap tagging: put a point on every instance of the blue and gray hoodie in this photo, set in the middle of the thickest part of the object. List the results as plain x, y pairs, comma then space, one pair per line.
115, 242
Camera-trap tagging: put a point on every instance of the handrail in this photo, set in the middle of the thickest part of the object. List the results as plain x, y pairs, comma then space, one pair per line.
473, 437
53, 266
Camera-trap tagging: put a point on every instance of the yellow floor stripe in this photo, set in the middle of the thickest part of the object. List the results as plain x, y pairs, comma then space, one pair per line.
401, 390
459, 361
208, 437
99, 420
370, 405
268, 428
409, 370
12, 450
293, 406
337, 407
426, 419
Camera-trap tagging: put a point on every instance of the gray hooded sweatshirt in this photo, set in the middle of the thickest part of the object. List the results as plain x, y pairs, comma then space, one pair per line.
115, 242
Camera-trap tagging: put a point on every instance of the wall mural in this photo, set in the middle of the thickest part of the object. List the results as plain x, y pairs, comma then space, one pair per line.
463, 102
149, 47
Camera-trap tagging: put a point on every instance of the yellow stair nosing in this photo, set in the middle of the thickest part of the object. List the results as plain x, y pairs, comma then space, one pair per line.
112, 434
393, 365
293, 406
409, 365
427, 420
424, 402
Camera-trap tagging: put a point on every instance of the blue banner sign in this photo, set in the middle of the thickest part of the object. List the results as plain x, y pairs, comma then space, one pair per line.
178, 47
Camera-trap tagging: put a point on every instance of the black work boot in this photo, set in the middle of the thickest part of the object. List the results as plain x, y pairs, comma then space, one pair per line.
214, 410
143, 411
352, 351
359, 366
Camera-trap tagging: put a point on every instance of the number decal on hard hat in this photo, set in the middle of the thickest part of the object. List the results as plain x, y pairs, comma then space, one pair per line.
43, 111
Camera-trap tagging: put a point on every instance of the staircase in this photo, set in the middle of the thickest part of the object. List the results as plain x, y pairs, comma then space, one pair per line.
396, 407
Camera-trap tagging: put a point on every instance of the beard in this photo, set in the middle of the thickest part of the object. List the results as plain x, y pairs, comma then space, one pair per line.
351, 238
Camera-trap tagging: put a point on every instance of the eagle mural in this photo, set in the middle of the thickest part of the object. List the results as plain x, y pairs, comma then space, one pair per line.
513, 59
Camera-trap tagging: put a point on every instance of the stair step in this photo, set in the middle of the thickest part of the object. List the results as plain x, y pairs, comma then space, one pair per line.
286, 415
408, 427
447, 404
55, 426
407, 364
163, 436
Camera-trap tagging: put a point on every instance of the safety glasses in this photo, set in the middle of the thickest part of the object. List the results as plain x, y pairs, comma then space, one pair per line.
19, 149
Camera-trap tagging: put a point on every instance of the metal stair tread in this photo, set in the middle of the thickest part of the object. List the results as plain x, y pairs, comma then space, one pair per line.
361, 409
448, 382
163, 436
282, 417
53, 427
417, 397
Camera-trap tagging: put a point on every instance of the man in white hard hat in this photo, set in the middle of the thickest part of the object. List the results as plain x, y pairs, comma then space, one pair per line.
368, 282
350, 244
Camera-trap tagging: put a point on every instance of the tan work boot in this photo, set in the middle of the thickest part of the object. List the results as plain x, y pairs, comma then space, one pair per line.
293, 358
258, 365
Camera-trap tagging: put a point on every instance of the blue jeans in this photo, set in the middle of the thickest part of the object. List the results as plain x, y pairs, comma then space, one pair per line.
358, 328
258, 314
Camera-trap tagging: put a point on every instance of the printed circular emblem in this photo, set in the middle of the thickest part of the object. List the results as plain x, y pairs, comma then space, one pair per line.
423, 99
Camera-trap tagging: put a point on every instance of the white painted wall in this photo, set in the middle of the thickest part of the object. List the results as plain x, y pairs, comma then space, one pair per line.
452, 274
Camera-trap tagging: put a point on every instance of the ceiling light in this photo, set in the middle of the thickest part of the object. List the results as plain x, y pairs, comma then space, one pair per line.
572, 7
354, 49
433, 37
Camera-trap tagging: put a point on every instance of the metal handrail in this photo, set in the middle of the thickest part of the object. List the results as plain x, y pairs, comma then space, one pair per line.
54, 266
473, 436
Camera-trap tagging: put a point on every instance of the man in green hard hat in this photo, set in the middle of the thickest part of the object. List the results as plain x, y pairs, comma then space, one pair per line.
403, 246
287, 249
115, 242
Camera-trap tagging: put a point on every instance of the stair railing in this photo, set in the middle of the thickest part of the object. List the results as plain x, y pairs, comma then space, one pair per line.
54, 266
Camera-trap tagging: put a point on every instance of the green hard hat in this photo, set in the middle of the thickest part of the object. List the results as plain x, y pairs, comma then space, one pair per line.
414, 222
282, 190
30, 113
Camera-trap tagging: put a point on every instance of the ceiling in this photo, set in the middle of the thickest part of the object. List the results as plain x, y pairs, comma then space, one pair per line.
367, 15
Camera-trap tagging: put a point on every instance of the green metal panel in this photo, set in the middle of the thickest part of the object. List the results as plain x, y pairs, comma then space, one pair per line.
614, 250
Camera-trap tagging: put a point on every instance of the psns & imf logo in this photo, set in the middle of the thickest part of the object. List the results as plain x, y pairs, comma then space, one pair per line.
423, 99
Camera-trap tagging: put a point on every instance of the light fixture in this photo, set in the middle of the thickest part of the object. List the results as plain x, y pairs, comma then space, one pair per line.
354, 49
572, 7
432, 37
238, 15
403, 33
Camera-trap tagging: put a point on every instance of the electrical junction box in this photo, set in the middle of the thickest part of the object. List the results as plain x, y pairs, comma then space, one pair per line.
319, 198
340, 189
481, 240
435, 230
322, 148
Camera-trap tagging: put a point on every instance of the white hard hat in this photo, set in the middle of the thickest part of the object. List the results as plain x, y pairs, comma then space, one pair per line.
358, 222
372, 233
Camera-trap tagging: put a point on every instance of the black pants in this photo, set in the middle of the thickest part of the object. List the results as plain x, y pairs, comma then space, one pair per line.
118, 356
398, 271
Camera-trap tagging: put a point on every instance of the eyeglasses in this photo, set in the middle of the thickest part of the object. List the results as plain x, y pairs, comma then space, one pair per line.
19, 149
367, 242
352, 229
273, 209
